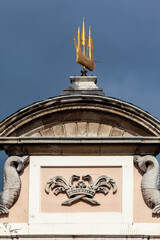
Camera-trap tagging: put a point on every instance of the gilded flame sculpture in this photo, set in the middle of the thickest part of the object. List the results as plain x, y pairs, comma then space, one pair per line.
84, 48
80, 190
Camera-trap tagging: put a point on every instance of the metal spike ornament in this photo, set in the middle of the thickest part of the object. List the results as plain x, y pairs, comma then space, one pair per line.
84, 49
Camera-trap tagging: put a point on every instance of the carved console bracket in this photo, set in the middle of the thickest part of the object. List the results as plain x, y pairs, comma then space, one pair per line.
14, 165
80, 191
150, 181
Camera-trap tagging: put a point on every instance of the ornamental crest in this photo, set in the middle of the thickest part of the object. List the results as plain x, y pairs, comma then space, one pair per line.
83, 190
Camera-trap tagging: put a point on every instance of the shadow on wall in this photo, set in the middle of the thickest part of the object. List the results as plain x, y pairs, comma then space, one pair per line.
3, 158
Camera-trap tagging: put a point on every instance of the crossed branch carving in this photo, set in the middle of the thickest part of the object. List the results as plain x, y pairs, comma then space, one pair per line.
80, 191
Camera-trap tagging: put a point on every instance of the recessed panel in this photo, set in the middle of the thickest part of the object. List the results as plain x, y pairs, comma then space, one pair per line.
108, 202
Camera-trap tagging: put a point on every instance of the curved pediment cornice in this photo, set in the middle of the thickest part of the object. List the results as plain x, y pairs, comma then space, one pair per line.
81, 115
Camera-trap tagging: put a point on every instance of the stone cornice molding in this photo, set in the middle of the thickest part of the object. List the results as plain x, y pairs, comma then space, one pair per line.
81, 102
68, 140
80, 146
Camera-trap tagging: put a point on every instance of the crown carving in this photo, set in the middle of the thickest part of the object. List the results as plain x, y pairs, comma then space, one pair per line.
83, 190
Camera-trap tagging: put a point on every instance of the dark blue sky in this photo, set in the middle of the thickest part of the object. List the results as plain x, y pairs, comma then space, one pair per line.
37, 53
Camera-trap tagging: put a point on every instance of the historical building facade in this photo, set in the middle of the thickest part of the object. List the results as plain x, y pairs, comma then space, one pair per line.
80, 165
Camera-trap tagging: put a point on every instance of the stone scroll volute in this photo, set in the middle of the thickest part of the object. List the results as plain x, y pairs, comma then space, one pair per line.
14, 165
149, 166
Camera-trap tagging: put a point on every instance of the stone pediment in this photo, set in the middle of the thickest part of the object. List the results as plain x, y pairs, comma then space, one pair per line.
80, 116
82, 129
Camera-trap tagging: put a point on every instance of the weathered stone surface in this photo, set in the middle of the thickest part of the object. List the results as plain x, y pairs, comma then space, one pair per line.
58, 130
82, 129
47, 132
93, 129
70, 129
127, 134
116, 132
104, 130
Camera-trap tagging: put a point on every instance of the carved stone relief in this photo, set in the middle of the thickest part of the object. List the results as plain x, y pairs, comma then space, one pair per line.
150, 181
14, 165
81, 129
80, 191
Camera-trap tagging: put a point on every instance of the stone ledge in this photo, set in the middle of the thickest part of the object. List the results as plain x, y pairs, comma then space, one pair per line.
88, 140
80, 146
121, 231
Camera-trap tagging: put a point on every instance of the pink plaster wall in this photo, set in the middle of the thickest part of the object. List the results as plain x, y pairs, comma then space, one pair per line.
52, 203
109, 203
141, 213
19, 212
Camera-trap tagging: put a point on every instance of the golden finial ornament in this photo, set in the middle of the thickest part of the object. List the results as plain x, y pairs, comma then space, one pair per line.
84, 48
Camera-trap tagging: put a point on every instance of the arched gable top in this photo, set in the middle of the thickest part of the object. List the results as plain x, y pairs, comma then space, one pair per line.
81, 115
